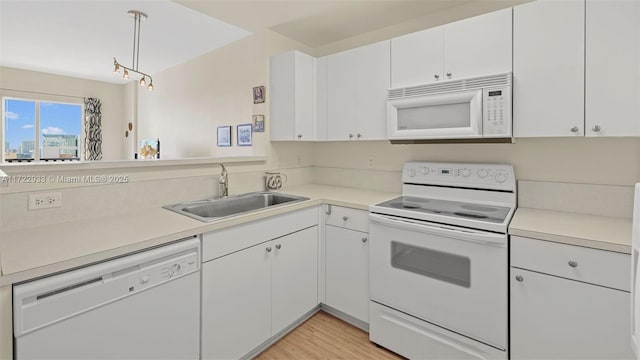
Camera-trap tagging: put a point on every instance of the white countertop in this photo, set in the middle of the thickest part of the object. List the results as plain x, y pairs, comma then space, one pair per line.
31, 253
594, 231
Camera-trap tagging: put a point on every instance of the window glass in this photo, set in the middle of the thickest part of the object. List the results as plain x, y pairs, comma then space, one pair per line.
60, 126
19, 129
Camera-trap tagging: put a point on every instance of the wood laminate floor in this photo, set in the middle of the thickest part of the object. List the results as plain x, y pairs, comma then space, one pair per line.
325, 337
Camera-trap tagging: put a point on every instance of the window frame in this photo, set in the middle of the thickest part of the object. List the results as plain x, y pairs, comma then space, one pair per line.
38, 98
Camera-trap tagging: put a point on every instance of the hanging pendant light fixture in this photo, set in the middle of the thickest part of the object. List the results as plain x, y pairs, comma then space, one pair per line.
138, 16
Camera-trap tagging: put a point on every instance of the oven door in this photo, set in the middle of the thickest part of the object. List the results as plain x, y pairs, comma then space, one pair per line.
454, 115
453, 277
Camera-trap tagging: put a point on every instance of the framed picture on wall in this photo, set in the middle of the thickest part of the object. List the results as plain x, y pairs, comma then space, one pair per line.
224, 135
258, 123
244, 135
258, 94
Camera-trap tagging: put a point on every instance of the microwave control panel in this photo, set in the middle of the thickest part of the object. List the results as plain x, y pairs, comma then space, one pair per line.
496, 112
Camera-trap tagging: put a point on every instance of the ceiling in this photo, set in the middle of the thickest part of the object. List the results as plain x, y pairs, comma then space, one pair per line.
81, 37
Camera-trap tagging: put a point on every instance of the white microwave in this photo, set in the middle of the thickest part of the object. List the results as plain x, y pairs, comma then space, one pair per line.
474, 109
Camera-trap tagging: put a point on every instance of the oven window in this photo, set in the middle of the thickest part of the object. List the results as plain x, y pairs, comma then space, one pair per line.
435, 117
451, 268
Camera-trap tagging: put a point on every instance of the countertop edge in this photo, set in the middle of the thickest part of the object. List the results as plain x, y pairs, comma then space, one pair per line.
561, 239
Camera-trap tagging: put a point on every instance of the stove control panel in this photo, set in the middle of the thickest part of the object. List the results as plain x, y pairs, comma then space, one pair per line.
481, 176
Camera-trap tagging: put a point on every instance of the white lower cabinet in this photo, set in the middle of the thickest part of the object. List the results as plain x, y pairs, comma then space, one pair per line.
555, 314
347, 271
250, 294
236, 303
294, 277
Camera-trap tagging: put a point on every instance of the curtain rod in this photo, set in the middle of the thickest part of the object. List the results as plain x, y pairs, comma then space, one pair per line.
43, 93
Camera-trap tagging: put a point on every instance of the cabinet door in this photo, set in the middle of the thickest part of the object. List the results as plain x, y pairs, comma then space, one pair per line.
304, 96
548, 69
478, 46
236, 303
321, 94
556, 318
417, 58
281, 97
347, 271
342, 84
612, 68
294, 272
373, 70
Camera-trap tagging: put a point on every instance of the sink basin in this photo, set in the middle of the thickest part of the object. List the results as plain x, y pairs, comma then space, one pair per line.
215, 209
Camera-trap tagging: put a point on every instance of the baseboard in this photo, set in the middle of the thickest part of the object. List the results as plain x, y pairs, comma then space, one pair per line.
345, 317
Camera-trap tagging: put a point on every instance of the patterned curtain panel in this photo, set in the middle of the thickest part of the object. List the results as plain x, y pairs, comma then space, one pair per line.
92, 129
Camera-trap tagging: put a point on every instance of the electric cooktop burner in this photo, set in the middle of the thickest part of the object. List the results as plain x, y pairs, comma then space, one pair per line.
488, 213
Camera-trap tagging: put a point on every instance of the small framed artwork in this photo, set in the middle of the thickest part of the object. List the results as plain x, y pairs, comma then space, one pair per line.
258, 123
258, 94
244, 135
224, 135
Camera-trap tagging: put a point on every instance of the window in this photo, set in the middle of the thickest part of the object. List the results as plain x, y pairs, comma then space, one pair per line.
41, 130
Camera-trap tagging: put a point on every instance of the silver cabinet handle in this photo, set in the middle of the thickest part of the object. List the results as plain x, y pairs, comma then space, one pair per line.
359, 136
299, 136
574, 129
350, 136
268, 249
278, 246
573, 263
364, 240
436, 76
328, 212
519, 278
448, 74
596, 128
345, 218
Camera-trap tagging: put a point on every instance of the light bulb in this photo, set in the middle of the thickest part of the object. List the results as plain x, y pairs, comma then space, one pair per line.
126, 74
143, 82
150, 87
116, 68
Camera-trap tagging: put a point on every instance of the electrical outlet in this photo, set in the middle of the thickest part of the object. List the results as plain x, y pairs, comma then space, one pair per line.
45, 200
371, 162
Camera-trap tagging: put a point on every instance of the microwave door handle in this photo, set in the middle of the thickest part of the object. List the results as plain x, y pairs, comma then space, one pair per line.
485, 238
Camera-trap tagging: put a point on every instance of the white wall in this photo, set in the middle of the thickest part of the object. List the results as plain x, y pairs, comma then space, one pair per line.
110, 94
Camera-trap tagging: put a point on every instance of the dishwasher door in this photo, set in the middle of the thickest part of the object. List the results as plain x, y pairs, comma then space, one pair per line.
142, 306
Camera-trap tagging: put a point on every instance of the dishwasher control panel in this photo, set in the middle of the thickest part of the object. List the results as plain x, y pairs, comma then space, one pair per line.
159, 272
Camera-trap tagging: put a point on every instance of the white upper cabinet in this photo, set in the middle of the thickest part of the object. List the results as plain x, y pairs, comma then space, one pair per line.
292, 96
612, 68
480, 45
548, 69
417, 58
476, 46
357, 84
321, 98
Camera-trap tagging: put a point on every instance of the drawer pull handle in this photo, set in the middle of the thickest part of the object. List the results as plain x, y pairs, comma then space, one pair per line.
278, 246
364, 239
345, 218
268, 249
519, 278
573, 263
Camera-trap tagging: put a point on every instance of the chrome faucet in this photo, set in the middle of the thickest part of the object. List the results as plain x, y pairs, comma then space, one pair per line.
224, 181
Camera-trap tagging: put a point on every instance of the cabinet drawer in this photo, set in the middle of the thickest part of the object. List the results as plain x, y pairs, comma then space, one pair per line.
348, 218
593, 266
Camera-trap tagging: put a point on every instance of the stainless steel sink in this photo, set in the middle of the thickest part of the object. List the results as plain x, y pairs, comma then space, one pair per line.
218, 208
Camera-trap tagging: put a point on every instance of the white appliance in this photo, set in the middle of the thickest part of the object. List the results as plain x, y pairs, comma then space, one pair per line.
142, 306
473, 108
439, 262
635, 278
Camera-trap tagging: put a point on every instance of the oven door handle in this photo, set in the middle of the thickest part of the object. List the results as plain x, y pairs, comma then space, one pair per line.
468, 235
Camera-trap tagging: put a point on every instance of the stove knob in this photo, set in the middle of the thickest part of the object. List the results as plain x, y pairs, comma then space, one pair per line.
412, 172
425, 170
501, 178
465, 172
483, 173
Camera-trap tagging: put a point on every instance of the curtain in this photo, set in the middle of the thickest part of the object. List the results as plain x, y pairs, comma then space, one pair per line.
92, 129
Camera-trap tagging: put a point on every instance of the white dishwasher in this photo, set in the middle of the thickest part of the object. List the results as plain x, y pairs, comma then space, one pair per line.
141, 306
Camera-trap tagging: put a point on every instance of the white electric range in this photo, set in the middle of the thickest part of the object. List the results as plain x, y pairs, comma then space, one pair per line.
439, 262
